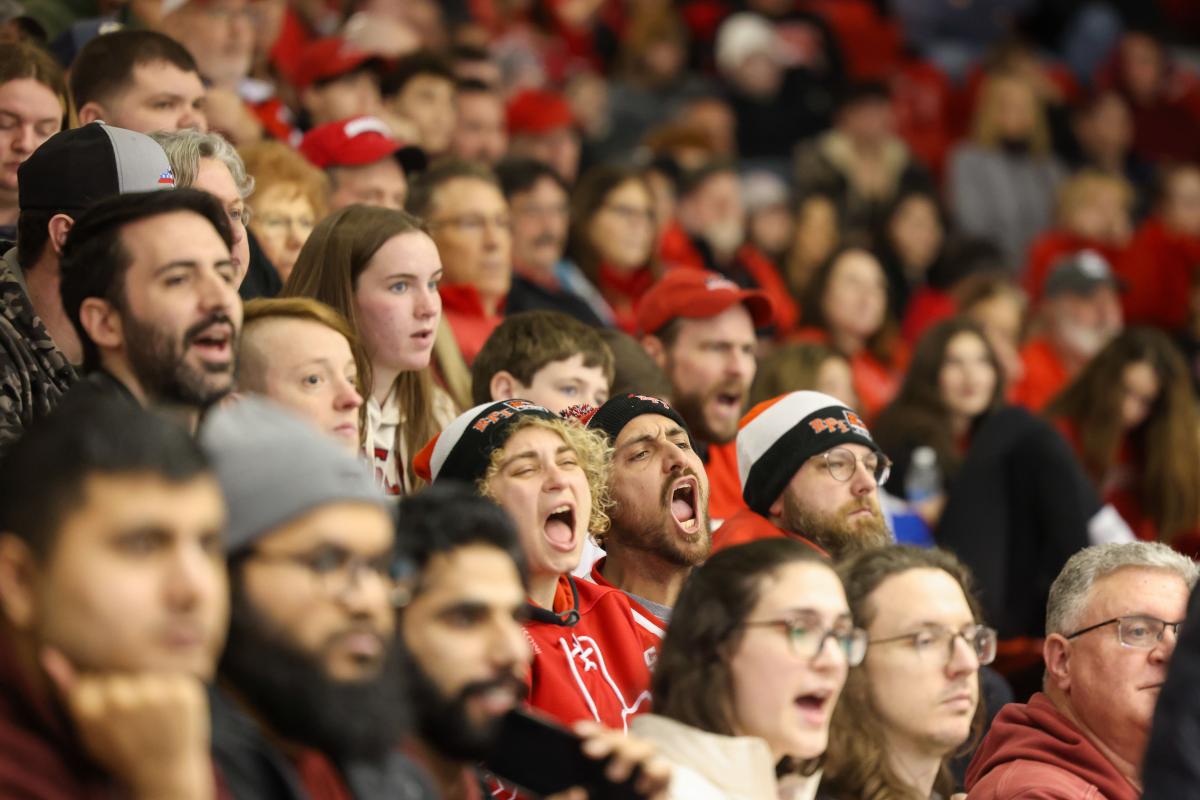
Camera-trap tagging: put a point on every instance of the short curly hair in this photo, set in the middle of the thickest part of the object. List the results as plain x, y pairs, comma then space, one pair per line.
595, 455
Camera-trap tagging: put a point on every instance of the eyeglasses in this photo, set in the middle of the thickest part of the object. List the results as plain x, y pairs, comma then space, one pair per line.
239, 215
337, 571
937, 639
841, 464
808, 642
280, 222
1138, 631
474, 224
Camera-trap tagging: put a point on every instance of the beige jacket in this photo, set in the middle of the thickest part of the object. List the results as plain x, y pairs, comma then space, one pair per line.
709, 766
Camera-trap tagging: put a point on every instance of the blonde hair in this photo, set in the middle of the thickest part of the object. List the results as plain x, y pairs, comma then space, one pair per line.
186, 147
595, 456
275, 164
985, 126
1077, 190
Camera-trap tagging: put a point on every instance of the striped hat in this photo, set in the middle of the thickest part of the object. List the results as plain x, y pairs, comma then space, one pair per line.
464, 449
777, 436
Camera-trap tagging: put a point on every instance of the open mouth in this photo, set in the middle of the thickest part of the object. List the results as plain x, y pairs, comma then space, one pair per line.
814, 706
729, 402
683, 505
214, 343
560, 527
423, 337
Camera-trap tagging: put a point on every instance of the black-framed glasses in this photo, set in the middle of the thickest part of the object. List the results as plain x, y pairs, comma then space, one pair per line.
938, 639
336, 570
807, 641
1138, 630
842, 463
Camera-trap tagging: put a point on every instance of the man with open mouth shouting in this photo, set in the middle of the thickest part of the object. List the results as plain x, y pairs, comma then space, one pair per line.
149, 285
550, 474
659, 529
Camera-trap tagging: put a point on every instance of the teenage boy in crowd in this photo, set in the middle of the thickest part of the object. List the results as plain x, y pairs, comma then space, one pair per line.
138, 79
148, 283
546, 357
113, 607
699, 329
809, 469
312, 701
468, 655
38, 343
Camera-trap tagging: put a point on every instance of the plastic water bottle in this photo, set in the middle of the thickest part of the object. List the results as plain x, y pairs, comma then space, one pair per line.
924, 479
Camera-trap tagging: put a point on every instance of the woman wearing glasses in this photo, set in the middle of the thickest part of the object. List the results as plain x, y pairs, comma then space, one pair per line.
914, 701
749, 674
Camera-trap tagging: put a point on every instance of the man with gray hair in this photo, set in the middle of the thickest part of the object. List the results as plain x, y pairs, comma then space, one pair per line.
207, 161
1112, 622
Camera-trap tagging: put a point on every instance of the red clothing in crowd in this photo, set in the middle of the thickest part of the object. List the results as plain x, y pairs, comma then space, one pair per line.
1054, 245
746, 526
647, 619
623, 291
927, 308
875, 382
472, 325
724, 483
590, 656
1158, 268
1033, 750
1044, 377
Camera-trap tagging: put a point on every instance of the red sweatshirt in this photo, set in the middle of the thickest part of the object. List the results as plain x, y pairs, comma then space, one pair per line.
746, 526
1032, 750
590, 657
1158, 267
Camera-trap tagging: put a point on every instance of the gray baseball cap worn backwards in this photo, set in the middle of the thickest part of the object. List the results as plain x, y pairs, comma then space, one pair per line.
274, 467
75, 169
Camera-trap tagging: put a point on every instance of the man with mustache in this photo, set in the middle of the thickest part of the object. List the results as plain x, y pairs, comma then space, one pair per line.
148, 284
461, 628
659, 525
543, 278
312, 701
1112, 623
809, 469
700, 329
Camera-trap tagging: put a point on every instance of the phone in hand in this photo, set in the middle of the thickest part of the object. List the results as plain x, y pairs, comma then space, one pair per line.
542, 757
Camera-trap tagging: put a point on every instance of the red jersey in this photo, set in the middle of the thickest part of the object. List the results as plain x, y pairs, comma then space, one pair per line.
724, 483
591, 659
653, 624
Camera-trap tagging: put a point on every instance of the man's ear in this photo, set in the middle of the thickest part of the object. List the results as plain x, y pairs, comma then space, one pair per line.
102, 323
17, 569
91, 112
775, 512
503, 386
656, 350
60, 225
1056, 652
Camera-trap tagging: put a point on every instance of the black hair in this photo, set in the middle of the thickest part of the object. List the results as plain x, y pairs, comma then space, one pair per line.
94, 258
33, 235
423, 62
860, 92
421, 190
518, 175
105, 65
89, 434
465, 85
448, 515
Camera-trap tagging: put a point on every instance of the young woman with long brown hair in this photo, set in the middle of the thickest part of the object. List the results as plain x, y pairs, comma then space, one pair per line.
1132, 419
380, 269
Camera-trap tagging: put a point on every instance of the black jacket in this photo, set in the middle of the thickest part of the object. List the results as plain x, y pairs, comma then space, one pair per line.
1171, 770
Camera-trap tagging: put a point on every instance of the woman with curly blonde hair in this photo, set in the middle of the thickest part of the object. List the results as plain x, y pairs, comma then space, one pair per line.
590, 656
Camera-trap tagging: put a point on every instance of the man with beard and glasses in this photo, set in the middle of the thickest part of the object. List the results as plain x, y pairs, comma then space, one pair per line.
461, 628
311, 701
699, 328
809, 470
658, 527
149, 286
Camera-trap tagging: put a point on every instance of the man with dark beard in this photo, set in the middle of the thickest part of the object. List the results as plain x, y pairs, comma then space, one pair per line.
700, 329
149, 286
809, 469
461, 630
311, 700
659, 525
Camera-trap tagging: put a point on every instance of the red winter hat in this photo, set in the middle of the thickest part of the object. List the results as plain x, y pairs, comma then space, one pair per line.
327, 58
537, 111
357, 141
697, 294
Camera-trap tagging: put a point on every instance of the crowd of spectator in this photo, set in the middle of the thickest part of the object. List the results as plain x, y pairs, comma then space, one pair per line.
590, 398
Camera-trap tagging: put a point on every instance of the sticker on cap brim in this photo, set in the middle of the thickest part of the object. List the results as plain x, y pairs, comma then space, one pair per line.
166, 178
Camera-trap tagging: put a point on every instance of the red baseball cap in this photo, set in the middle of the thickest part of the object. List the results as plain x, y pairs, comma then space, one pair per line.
536, 111
357, 141
698, 294
327, 58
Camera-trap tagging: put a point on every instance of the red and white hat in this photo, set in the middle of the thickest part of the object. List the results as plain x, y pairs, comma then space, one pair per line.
327, 58
777, 436
358, 141
697, 294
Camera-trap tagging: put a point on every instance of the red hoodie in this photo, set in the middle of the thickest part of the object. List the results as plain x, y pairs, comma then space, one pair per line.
1033, 751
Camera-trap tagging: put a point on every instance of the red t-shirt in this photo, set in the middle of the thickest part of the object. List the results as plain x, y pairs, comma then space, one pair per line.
1045, 375
595, 669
